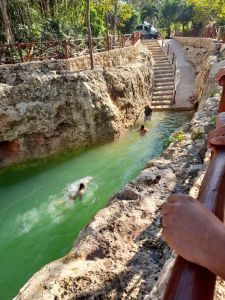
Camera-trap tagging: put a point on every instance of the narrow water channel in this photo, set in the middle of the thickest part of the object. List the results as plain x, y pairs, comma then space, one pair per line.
36, 226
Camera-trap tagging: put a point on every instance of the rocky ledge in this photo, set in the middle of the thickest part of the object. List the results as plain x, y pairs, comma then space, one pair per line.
120, 254
47, 111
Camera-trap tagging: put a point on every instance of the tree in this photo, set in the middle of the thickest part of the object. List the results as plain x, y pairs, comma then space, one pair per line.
149, 12
89, 33
7, 25
169, 11
185, 14
208, 11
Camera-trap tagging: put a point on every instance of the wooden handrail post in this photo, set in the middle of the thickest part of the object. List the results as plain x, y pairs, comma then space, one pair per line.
20, 52
189, 281
218, 33
65, 49
123, 41
133, 38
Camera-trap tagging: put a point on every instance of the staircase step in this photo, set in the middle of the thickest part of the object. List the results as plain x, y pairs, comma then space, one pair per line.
157, 103
162, 98
159, 55
161, 59
162, 75
157, 51
163, 66
160, 84
163, 93
163, 88
165, 79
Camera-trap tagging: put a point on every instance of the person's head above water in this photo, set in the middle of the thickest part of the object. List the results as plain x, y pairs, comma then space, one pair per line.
81, 186
142, 127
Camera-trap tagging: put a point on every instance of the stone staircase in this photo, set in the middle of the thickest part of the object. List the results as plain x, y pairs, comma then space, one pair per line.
163, 85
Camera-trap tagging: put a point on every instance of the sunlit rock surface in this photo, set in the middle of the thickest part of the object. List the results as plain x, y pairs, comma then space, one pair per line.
43, 112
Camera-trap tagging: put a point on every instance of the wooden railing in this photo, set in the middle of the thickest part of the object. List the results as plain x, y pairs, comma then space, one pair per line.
64, 49
189, 281
172, 57
217, 33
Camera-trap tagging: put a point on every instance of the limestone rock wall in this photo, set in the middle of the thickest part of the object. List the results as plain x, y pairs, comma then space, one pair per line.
203, 53
107, 59
199, 43
43, 112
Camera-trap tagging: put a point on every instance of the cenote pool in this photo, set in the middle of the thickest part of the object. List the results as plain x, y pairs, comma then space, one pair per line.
36, 226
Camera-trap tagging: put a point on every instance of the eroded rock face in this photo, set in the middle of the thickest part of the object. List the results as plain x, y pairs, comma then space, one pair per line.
120, 254
42, 113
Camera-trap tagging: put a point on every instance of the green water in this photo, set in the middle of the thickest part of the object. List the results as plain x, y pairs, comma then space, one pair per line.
36, 228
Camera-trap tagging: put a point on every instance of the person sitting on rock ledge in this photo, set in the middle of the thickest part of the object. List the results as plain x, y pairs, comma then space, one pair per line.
142, 130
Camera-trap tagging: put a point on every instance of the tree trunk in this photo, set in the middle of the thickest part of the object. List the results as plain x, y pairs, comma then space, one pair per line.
115, 17
168, 30
89, 33
7, 25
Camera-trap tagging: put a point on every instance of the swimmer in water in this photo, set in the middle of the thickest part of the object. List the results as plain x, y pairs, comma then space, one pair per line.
142, 130
75, 191
81, 190
79, 193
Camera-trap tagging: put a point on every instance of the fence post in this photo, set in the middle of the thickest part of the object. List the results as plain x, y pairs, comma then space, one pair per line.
110, 42
65, 49
218, 33
20, 52
133, 38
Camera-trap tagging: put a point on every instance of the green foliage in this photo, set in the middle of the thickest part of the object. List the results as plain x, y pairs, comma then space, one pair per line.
196, 134
128, 25
97, 24
176, 137
33, 20
149, 12
207, 11
213, 121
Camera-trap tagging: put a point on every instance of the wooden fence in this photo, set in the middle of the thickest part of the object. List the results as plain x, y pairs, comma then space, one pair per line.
64, 49
189, 281
217, 33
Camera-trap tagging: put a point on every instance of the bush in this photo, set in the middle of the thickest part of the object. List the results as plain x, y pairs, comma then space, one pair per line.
176, 137
196, 134
213, 121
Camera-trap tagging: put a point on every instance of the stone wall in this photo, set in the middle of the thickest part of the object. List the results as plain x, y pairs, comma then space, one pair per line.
108, 59
46, 112
120, 253
196, 42
202, 53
